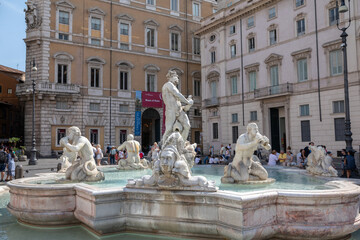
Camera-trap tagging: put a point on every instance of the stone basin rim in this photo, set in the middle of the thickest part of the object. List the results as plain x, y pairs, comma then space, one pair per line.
338, 184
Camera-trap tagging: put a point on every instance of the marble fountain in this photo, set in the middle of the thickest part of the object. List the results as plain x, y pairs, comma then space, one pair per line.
168, 199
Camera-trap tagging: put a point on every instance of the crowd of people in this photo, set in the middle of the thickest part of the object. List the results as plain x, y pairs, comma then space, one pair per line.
7, 163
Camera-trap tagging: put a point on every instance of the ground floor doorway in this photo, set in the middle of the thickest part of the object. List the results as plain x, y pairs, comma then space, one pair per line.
150, 129
278, 128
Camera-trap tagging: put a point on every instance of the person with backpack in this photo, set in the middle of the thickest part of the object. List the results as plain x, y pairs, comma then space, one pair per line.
3, 162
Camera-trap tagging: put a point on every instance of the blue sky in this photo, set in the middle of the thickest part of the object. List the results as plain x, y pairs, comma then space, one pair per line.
12, 33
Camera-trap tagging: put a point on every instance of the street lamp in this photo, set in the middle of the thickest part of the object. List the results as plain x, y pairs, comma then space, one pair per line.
343, 9
33, 160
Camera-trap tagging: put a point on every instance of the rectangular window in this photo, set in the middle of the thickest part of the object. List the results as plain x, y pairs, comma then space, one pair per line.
196, 42
174, 5
123, 135
273, 37
197, 137
233, 81
63, 36
299, 3
196, 9
252, 81
95, 23
251, 44
150, 2
62, 74
174, 42
94, 136
235, 133
95, 107
94, 77
150, 37
0, 88
9, 90
124, 29
232, 29
197, 112
305, 131
197, 88
215, 131
150, 82
302, 70
95, 42
123, 80
123, 108
62, 105
213, 58
333, 13
339, 125
304, 110
253, 116
336, 62
250, 22
124, 46
274, 75
272, 12
64, 17
234, 118
60, 133
233, 50
338, 107
213, 89
300, 27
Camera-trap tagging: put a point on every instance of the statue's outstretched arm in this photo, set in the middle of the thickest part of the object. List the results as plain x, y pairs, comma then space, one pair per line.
75, 148
122, 146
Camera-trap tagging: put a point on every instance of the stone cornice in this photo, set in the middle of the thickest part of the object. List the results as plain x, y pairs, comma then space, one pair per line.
233, 16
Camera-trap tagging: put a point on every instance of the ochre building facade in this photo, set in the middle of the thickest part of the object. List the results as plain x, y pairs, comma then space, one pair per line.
94, 56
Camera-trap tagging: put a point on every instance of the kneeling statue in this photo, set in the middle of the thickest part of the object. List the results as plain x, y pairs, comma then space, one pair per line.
245, 166
85, 168
133, 160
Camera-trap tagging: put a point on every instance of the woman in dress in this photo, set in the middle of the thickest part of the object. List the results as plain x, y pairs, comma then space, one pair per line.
99, 154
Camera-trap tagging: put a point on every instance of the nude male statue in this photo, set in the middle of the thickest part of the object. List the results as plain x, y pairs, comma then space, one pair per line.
132, 148
176, 118
243, 167
85, 169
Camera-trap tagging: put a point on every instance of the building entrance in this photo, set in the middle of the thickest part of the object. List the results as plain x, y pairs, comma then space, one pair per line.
278, 128
150, 129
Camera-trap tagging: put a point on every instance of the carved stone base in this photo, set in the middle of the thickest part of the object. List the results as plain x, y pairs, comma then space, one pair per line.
248, 182
135, 184
124, 165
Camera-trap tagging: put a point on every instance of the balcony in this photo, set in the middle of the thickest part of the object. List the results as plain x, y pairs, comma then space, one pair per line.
47, 87
274, 91
211, 102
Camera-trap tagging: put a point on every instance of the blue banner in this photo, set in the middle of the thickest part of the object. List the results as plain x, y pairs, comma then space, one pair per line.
138, 101
137, 123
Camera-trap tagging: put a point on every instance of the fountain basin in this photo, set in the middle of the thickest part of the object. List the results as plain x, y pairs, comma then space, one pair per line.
282, 213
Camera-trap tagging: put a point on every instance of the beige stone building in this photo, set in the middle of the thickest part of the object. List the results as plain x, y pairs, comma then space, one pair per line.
263, 60
93, 56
